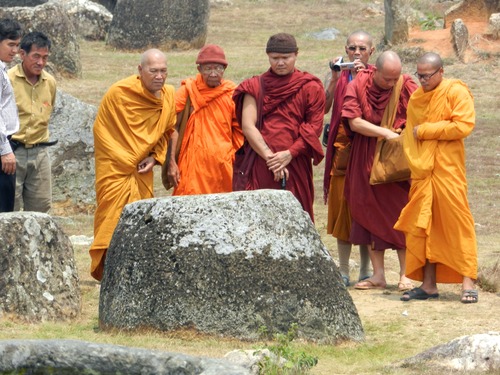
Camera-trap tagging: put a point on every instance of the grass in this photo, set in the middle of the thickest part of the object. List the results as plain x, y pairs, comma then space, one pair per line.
242, 30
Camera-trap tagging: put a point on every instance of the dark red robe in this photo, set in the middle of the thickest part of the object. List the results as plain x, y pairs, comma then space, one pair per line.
374, 208
292, 119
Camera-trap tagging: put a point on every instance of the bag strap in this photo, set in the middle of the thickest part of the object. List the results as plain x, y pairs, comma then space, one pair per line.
392, 107
182, 126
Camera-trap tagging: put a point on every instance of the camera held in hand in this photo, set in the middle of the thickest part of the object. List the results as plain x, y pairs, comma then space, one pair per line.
340, 65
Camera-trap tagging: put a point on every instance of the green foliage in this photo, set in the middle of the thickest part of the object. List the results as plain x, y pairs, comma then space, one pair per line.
297, 362
431, 22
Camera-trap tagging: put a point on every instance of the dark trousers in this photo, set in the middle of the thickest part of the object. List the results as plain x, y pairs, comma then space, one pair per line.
7, 191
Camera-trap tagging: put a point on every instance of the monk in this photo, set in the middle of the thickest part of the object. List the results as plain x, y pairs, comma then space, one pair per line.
281, 114
437, 222
131, 131
375, 208
212, 135
359, 48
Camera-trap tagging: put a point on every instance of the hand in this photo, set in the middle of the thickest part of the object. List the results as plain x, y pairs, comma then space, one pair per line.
390, 134
415, 132
173, 174
146, 165
335, 74
358, 65
278, 161
278, 176
9, 163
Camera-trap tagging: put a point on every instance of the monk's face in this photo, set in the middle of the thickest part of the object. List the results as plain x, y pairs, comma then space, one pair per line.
212, 74
153, 73
282, 64
388, 76
359, 47
429, 76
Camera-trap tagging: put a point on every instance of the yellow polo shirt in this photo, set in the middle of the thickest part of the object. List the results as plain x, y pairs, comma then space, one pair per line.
34, 104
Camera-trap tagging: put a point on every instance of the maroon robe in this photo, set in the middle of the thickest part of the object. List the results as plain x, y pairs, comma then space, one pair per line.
292, 119
374, 208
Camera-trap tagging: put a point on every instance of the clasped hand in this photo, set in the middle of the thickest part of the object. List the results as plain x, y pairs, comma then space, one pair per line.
277, 163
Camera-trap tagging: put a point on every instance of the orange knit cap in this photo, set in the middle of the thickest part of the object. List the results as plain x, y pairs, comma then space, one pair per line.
211, 53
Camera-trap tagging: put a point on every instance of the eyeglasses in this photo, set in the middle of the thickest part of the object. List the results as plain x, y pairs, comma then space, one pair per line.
426, 77
209, 69
354, 48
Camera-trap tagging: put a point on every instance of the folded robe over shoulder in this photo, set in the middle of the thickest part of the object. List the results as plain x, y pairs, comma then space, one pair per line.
211, 138
131, 124
437, 220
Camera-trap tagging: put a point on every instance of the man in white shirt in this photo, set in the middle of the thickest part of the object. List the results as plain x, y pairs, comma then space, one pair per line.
10, 37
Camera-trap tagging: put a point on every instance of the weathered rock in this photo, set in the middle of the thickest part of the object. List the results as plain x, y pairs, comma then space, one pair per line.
396, 21
163, 24
73, 169
21, 3
91, 20
38, 276
51, 19
251, 359
44, 357
494, 25
476, 353
225, 264
471, 11
459, 38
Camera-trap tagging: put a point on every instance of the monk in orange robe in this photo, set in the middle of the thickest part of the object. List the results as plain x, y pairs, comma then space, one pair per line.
131, 130
212, 135
437, 222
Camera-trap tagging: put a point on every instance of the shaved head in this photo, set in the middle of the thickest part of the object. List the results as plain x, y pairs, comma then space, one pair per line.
388, 60
432, 59
387, 70
360, 34
152, 54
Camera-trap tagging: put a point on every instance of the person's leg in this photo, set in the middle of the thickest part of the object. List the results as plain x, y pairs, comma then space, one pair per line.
429, 284
364, 263
37, 194
7, 191
377, 280
404, 282
21, 162
344, 250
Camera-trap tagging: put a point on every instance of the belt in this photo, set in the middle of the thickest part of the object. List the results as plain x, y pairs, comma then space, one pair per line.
50, 143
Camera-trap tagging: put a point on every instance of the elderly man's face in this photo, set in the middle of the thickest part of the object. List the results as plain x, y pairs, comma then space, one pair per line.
153, 73
212, 73
282, 64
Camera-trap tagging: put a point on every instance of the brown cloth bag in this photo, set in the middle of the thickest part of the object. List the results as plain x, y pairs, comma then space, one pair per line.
182, 128
389, 163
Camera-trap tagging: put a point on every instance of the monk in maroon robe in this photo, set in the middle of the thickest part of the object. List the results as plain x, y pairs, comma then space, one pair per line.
375, 208
290, 104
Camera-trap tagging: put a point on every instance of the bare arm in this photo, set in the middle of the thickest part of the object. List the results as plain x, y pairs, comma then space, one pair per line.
368, 129
173, 174
248, 125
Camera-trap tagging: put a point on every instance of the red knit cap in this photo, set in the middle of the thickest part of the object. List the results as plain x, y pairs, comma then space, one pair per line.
211, 53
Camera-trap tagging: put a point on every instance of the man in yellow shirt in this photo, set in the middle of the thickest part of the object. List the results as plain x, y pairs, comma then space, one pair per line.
35, 92
133, 123
437, 222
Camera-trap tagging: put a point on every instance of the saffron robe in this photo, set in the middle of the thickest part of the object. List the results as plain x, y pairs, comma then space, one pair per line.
339, 216
292, 119
437, 220
211, 138
131, 124
374, 208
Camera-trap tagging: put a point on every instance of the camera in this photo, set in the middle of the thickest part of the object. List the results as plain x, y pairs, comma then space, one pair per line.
340, 65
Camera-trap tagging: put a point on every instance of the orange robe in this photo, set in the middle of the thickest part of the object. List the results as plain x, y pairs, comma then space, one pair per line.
131, 124
211, 138
437, 220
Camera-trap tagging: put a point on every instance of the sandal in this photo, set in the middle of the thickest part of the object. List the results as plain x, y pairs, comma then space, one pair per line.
403, 287
368, 284
418, 294
469, 296
346, 280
